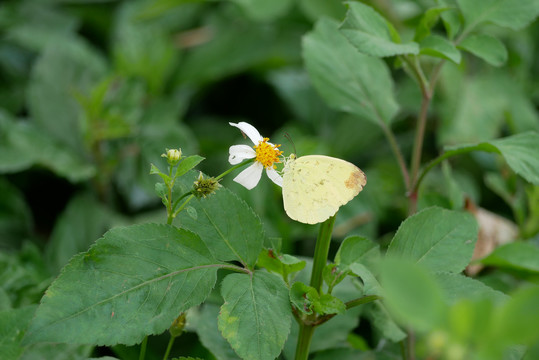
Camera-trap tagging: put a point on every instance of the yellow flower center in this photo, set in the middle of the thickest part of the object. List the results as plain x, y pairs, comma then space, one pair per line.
267, 154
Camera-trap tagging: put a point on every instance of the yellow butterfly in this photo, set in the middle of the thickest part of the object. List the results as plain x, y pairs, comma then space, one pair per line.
315, 186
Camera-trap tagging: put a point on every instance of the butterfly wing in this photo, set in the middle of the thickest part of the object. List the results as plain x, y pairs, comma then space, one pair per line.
315, 186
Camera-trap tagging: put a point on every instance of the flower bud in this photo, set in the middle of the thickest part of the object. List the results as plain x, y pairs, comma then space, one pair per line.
173, 156
203, 187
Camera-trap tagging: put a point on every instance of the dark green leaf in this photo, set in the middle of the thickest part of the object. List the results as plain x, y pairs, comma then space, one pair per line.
282, 264
514, 14
329, 304
372, 34
133, 282
303, 297
486, 47
12, 328
237, 236
256, 315
356, 249
438, 46
442, 240
346, 79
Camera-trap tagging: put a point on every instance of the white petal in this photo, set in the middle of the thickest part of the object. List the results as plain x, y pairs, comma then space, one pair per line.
250, 131
274, 176
238, 153
250, 176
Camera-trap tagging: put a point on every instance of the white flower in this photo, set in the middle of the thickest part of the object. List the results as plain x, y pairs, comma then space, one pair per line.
265, 154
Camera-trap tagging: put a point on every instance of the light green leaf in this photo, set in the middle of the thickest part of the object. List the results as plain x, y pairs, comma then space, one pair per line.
263, 10
187, 164
515, 256
412, 294
519, 317
372, 34
356, 249
458, 286
12, 328
256, 315
428, 20
329, 304
282, 264
441, 240
450, 18
514, 14
348, 80
303, 296
438, 46
133, 282
370, 284
486, 47
237, 236
520, 151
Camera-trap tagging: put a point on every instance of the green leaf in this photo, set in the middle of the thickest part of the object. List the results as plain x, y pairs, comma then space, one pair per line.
204, 321
519, 317
348, 80
303, 297
372, 34
428, 20
370, 284
83, 221
520, 151
329, 304
438, 46
519, 256
262, 10
412, 294
442, 240
187, 164
514, 14
458, 286
65, 68
356, 249
450, 18
486, 47
282, 264
237, 236
133, 282
256, 315
12, 328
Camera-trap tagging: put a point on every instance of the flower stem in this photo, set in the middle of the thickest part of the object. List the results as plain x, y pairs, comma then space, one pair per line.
321, 251
234, 168
169, 347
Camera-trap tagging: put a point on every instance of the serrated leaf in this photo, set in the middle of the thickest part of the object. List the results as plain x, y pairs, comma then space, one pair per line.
303, 297
441, 240
372, 34
237, 236
329, 304
438, 46
347, 79
133, 282
256, 315
187, 164
519, 256
282, 264
514, 14
520, 151
486, 47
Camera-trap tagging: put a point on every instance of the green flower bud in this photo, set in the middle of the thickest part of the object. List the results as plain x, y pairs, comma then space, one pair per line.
173, 156
205, 186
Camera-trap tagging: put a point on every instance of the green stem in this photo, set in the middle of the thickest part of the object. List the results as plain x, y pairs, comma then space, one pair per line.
169, 347
397, 152
304, 341
321, 251
143, 348
235, 167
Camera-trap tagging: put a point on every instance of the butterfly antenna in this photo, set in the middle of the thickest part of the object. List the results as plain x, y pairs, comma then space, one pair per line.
289, 138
